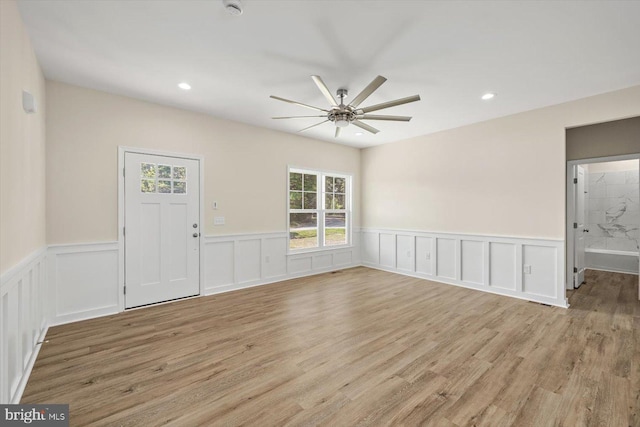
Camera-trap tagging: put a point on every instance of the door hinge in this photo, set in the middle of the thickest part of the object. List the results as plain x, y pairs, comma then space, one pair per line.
122, 171
575, 225
575, 180
575, 269
124, 234
125, 289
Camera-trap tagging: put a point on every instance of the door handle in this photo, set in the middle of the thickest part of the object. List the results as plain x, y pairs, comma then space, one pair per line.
195, 234
586, 230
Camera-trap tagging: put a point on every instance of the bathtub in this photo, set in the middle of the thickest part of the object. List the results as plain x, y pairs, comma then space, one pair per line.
610, 260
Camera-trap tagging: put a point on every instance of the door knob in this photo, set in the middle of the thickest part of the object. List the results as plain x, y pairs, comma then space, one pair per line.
195, 225
586, 230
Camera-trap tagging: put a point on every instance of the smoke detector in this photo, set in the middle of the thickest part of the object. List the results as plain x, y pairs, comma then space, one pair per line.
234, 7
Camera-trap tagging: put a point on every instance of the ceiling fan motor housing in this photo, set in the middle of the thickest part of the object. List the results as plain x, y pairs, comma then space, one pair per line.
341, 117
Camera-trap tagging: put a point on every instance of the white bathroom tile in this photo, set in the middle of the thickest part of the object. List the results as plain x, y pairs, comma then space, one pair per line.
621, 244
631, 177
615, 178
622, 190
596, 217
630, 217
596, 242
597, 191
595, 231
596, 177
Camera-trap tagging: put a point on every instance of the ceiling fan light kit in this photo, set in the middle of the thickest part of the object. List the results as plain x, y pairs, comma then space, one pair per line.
342, 115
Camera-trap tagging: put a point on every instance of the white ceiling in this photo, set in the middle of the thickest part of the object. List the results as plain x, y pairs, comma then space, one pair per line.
532, 54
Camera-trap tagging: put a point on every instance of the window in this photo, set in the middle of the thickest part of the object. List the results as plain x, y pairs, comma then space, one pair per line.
163, 178
319, 209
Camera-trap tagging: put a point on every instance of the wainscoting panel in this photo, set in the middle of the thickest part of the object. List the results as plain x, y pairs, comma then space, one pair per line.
388, 250
424, 249
219, 265
502, 265
23, 322
543, 264
275, 259
370, 247
83, 281
530, 269
405, 248
239, 261
472, 261
248, 260
446, 258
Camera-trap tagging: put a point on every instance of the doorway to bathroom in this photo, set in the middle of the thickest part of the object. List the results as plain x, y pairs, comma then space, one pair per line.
603, 216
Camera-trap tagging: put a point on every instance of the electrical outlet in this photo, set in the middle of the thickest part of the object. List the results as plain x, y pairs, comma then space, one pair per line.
527, 269
218, 220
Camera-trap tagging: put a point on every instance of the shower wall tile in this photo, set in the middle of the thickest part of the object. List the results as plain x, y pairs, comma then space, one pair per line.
613, 210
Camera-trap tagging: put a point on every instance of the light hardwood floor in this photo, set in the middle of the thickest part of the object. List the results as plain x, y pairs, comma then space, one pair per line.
357, 347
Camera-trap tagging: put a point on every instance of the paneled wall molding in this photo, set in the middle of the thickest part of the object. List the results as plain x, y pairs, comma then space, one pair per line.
23, 322
83, 281
525, 268
244, 260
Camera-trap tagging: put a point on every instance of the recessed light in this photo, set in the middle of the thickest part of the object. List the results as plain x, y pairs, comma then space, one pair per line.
358, 133
184, 86
488, 96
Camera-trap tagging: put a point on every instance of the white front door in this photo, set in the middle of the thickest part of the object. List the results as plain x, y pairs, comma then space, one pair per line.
579, 228
162, 228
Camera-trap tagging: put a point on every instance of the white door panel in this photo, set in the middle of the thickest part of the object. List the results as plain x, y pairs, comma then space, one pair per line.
579, 227
162, 205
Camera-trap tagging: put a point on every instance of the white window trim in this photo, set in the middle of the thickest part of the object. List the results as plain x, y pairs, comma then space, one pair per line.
321, 211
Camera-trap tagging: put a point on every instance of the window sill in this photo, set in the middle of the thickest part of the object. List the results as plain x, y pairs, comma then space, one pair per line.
314, 250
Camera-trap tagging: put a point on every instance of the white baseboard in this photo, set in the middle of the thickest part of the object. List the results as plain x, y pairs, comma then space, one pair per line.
525, 268
23, 322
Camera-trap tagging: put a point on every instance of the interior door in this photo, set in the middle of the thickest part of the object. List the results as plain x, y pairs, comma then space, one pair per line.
579, 229
162, 229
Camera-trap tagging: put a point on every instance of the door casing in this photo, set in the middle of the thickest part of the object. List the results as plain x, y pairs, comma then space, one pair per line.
121, 259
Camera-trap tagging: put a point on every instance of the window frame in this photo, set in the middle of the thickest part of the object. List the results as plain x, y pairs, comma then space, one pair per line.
320, 208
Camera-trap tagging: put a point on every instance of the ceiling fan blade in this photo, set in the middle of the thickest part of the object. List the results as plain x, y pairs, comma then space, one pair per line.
391, 118
295, 117
325, 90
365, 126
312, 126
388, 104
337, 132
298, 103
372, 87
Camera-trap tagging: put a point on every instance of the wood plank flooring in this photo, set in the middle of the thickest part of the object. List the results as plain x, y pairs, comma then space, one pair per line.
356, 347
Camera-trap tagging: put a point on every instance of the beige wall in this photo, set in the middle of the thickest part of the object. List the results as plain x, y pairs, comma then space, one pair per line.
617, 137
22, 143
502, 177
246, 166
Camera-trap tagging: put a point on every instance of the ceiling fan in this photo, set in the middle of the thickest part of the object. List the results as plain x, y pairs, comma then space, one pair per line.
343, 115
